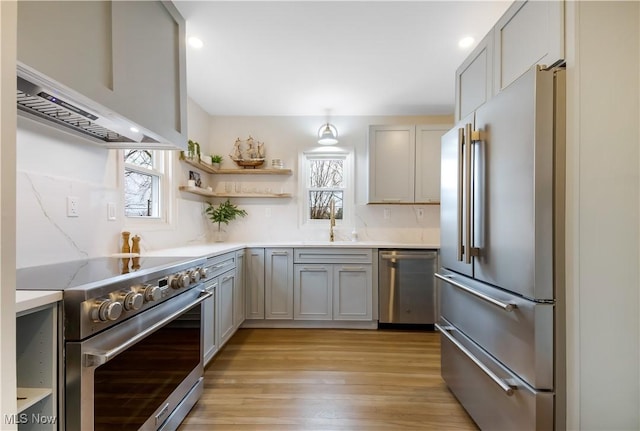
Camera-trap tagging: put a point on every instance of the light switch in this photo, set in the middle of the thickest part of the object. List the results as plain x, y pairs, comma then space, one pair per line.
111, 211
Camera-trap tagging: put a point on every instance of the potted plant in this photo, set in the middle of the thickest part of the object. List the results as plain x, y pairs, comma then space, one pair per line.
215, 161
223, 213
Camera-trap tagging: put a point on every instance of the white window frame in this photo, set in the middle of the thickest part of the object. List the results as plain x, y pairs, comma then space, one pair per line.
163, 169
348, 207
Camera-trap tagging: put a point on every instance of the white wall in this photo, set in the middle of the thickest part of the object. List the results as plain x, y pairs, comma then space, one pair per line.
53, 164
285, 137
603, 217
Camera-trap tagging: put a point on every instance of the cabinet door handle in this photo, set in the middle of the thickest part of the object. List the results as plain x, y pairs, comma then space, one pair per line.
280, 253
315, 269
352, 268
228, 277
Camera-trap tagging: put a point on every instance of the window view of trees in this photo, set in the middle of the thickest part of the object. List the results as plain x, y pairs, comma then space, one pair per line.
141, 184
326, 183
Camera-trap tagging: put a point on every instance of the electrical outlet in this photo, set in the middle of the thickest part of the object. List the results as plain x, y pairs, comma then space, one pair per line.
386, 214
267, 212
420, 213
72, 206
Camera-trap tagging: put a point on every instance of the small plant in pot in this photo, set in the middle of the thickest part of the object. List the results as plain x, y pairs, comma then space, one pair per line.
216, 160
223, 213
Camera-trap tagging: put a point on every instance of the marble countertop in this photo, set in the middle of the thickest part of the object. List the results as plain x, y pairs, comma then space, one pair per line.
199, 250
30, 299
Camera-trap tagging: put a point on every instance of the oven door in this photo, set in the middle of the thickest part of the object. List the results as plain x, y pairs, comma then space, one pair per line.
136, 375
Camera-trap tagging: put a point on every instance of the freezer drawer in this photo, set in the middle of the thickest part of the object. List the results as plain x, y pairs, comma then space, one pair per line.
495, 398
516, 331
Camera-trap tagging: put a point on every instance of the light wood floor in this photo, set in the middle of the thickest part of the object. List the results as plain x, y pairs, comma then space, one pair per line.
325, 379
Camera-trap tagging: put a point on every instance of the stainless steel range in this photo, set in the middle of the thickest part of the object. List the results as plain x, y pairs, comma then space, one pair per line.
132, 337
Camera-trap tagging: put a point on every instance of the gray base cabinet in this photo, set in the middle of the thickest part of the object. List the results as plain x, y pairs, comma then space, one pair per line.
226, 290
240, 290
332, 292
313, 292
352, 292
254, 283
220, 316
278, 296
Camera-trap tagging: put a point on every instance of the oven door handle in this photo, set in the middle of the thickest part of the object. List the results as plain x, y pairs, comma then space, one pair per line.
94, 359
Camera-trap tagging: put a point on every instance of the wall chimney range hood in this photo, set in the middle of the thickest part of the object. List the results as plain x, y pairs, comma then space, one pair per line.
42, 99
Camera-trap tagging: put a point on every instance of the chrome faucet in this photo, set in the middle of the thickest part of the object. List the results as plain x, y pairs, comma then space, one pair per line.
332, 218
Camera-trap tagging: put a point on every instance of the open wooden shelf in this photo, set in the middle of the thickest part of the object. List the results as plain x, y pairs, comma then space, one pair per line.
209, 169
204, 192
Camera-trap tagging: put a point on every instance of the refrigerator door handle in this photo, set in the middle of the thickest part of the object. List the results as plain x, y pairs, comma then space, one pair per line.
460, 191
503, 305
467, 193
508, 389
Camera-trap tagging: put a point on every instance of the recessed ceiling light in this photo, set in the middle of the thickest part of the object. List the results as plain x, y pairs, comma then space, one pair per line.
466, 42
195, 42
134, 129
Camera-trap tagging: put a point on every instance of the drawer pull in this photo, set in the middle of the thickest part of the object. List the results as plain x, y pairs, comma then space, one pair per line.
352, 268
503, 305
507, 387
280, 253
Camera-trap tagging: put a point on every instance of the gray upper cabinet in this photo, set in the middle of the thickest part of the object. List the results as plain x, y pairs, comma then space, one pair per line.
529, 33
128, 56
404, 163
150, 66
391, 163
71, 43
474, 78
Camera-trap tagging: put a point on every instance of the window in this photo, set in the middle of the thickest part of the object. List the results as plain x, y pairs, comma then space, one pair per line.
326, 185
326, 179
144, 178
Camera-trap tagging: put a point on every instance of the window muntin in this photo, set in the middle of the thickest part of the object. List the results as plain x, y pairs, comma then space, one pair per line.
326, 184
143, 183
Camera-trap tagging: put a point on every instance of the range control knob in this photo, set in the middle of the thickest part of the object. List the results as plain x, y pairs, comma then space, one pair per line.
132, 301
151, 293
195, 275
106, 310
181, 280
203, 273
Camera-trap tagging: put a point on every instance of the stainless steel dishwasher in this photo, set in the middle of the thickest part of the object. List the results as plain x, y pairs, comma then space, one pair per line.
406, 283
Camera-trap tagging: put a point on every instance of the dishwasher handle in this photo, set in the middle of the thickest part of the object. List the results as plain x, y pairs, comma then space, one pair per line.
389, 255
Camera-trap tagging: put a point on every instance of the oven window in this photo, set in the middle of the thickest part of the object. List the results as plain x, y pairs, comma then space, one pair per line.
131, 387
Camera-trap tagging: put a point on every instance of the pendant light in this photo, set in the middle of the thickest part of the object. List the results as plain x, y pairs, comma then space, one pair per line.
327, 134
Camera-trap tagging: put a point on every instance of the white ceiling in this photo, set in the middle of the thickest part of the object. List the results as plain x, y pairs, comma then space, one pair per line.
330, 57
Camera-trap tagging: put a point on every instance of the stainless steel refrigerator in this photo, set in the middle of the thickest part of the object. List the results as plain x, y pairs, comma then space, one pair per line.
501, 279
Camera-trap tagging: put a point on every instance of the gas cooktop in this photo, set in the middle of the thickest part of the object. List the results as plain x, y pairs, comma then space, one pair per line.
78, 273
